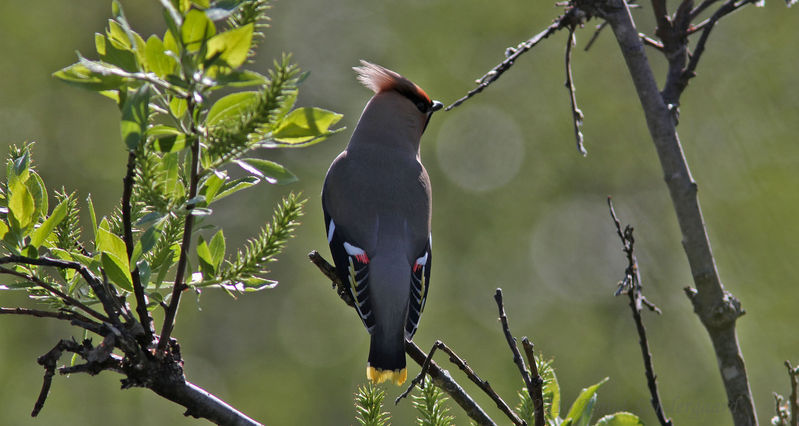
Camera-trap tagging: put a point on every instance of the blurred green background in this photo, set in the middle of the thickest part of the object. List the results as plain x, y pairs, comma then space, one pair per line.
515, 206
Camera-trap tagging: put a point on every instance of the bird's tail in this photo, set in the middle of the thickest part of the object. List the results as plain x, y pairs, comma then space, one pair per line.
386, 360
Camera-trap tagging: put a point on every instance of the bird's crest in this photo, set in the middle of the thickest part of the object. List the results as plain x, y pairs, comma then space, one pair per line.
380, 79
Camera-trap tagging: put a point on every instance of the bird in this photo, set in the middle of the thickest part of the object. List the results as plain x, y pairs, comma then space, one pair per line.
377, 205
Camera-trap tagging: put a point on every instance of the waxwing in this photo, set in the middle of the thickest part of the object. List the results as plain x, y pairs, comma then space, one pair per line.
377, 205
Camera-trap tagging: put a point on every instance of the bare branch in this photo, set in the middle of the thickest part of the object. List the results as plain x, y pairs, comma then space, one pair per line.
632, 274
577, 115
695, 12
793, 373
650, 41
200, 403
64, 297
330, 273
74, 317
48, 361
455, 359
441, 377
725, 9
185, 244
595, 36
513, 53
517, 356
138, 290
536, 393
716, 308
110, 306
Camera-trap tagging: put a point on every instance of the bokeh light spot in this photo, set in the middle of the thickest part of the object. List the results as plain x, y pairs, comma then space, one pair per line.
480, 148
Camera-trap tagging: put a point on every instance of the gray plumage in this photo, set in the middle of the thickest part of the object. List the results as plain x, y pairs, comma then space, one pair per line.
377, 204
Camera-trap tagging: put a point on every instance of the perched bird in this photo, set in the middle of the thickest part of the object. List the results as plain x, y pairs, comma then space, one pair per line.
377, 205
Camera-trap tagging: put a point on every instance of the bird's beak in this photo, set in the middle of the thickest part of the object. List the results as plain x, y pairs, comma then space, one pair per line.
436, 106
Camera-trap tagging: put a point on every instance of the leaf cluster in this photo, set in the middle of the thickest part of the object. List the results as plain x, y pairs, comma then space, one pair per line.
183, 139
581, 409
369, 406
430, 405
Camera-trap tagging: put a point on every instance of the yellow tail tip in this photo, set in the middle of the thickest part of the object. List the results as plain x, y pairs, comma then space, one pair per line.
380, 376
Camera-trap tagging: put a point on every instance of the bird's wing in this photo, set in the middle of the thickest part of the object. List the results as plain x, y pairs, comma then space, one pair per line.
352, 267
420, 283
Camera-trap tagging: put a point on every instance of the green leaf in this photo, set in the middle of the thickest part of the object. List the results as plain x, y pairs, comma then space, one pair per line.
148, 239
204, 256
19, 169
157, 60
135, 114
211, 185
196, 30
230, 106
38, 191
144, 272
92, 215
241, 78
114, 256
551, 389
620, 419
21, 206
170, 143
232, 46
3, 229
170, 44
250, 284
162, 129
119, 54
81, 76
304, 125
173, 185
99, 43
234, 186
117, 270
135, 255
119, 36
582, 407
178, 107
217, 249
202, 3
108, 242
46, 228
267, 170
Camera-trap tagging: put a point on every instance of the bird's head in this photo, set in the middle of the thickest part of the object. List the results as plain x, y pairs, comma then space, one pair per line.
401, 93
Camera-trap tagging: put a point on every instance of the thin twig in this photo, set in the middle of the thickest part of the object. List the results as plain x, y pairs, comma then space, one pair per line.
595, 36
577, 115
185, 245
48, 361
138, 290
536, 393
330, 273
458, 361
74, 317
58, 293
632, 275
701, 8
649, 41
517, 356
512, 54
441, 377
95, 283
793, 373
707, 26
443, 380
